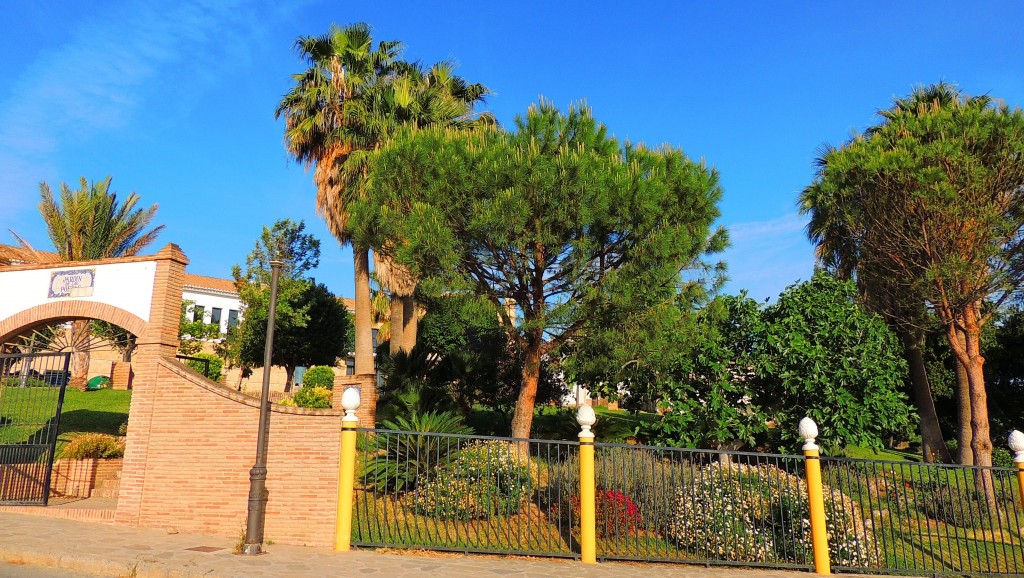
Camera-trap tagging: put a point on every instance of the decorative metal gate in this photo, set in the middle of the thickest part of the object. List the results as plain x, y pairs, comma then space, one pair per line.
31, 395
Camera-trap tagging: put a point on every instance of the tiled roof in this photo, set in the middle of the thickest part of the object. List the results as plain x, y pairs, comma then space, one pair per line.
13, 255
214, 283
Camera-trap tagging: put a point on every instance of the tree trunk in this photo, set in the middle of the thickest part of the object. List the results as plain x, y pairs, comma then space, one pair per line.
409, 321
80, 354
522, 419
289, 376
364, 325
397, 327
933, 447
965, 455
969, 353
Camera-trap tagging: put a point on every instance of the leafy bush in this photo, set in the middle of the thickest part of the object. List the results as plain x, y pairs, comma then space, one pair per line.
313, 397
287, 402
216, 365
93, 445
480, 481
1002, 458
122, 430
319, 376
647, 478
759, 514
961, 507
615, 514
398, 458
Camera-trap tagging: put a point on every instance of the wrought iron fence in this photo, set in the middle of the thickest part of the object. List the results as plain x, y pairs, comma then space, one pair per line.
31, 394
930, 518
464, 493
488, 494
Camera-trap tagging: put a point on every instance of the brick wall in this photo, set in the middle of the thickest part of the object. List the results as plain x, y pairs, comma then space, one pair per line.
200, 442
77, 478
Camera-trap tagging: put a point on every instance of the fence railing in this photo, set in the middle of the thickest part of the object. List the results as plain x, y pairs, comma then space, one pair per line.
464, 493
930, 518
513, 496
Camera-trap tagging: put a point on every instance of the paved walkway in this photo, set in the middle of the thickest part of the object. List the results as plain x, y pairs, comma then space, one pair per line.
109, 550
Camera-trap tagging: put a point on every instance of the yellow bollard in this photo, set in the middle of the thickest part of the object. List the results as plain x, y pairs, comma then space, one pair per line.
816, 497
1016, 443
588, 517
346, 470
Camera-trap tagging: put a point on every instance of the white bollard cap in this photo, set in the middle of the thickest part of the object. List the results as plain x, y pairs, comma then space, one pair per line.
586, 417
350, 403
809, 431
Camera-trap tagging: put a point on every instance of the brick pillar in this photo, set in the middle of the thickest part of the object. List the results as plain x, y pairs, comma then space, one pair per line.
160, 339
367, 384
121, 375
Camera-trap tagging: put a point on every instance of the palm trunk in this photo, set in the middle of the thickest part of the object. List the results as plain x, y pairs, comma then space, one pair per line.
933, 447
409, 322
80, 354
397, 327
965, 455
364, 327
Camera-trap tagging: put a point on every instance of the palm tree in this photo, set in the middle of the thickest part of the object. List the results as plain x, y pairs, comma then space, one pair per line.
90, 224
346, 105
321, 131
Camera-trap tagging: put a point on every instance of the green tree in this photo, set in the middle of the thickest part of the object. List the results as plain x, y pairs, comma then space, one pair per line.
90, 223
555, 217
311, 324
821, 355
933, 195
193, 333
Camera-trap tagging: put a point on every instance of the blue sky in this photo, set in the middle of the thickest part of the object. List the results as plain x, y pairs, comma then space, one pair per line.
176, 99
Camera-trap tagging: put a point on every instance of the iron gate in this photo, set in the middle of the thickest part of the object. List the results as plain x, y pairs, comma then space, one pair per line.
31, 395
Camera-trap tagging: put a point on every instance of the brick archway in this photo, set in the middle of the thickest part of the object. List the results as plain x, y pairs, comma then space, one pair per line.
48, 312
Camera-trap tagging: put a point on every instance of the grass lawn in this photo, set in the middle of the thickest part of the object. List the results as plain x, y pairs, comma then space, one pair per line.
101, 411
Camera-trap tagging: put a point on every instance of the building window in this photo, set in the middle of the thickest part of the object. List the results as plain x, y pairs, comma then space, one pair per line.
375, 339
232, 318
197, 312
350, 366
215, 316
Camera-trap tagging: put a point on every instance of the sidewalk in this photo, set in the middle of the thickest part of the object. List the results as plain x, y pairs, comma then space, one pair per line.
109, 550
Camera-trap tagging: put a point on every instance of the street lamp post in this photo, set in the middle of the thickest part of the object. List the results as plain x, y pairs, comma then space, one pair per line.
258, 474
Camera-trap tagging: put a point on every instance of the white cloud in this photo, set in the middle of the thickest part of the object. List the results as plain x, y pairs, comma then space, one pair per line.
767, 256
96, 79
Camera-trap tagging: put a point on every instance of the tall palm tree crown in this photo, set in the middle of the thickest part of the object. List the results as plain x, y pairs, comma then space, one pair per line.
350, 99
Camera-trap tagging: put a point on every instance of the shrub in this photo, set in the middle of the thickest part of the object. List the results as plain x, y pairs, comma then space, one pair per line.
480, 481
646, 477
1002, 458
313, 397
122, 430
398, 459
216, 365
759, 514
319, 376
615, 514
961, 507
93, 445
287, 401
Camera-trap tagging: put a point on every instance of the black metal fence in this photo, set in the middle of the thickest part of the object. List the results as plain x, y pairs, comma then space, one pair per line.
502, 495
31, 395
931, 519
200, 364
465, 493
